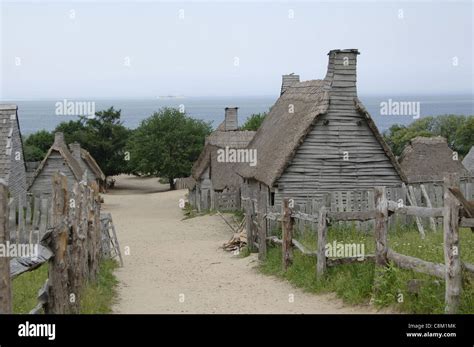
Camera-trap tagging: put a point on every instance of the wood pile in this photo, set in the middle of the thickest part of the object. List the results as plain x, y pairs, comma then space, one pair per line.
238, 239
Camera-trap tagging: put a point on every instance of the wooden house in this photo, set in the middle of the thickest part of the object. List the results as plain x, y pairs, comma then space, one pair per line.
88, 164
468, 161
212, 176
318, 138
429, 159
58, 159
12, 163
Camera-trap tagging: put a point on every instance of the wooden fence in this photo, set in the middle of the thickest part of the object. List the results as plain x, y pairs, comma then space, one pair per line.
67, 230
453, 215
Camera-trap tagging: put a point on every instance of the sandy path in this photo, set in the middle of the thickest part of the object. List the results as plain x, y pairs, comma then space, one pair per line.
177, 266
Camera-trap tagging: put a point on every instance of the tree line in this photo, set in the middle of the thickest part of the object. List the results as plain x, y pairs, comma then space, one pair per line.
167, 143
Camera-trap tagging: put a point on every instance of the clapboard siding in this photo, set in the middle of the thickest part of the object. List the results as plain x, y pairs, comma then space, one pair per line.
17, 178
43, 182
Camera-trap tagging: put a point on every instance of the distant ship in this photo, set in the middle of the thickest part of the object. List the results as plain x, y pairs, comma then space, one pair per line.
171, 97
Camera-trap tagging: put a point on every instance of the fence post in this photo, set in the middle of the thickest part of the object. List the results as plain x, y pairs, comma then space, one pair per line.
322, 235
381, 226
5, 280
262, 232
452, 256
287, 234
249, 224
58, 265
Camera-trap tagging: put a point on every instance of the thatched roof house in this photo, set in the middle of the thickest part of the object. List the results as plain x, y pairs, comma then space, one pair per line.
429, 159
468, 161
209, 172
12, 164
319, 138
58, 159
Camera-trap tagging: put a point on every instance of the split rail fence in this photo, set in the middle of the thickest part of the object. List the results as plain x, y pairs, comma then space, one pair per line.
454, 215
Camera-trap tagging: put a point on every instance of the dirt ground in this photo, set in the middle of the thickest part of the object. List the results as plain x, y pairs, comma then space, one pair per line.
177, 266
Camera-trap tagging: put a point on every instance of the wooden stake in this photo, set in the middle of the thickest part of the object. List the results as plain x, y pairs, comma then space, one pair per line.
322, 235
452, 255
262, 232
428, 204
381, 226
287, 231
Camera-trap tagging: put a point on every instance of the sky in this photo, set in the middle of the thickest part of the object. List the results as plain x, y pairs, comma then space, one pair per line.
127, 49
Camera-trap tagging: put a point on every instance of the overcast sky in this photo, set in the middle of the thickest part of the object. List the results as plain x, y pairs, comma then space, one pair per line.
79, 50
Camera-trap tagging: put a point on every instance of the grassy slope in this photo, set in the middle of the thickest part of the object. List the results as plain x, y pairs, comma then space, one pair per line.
354, 282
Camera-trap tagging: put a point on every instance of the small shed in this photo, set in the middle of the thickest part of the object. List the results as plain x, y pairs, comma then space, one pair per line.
468, 161
429, 159
12, 163
88, 164
58, 159
318, 138
212, 175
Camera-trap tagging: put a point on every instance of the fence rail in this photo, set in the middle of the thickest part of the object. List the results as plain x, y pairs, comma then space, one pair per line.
453, 214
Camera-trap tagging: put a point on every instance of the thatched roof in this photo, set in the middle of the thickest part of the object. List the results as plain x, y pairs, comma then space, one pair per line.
281, 131
60, 146
468, 161
8, 120
92, 164
222, 174
429, 159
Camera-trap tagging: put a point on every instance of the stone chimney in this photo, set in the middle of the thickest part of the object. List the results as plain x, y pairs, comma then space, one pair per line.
288, 80
342, 72
75, 149
231, 122
59, 139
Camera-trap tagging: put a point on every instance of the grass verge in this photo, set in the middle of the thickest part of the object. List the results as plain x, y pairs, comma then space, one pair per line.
96, 297
354, 282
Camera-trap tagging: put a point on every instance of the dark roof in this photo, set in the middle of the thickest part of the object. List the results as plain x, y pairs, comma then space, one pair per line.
468, 161
8, 117
429, 159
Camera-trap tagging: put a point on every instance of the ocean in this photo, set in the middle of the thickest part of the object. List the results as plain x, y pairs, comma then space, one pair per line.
35, 115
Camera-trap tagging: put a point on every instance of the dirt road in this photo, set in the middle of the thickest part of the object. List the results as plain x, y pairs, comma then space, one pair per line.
177, 266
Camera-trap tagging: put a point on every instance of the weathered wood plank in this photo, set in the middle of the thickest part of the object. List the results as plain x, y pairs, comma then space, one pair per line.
381, 226
287, 232
322, 235
5, 279
452, 257
416, 264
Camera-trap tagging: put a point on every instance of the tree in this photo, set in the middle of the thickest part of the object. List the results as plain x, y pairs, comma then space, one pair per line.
254, 121
104, 136
36, 145
457, 130
167, 144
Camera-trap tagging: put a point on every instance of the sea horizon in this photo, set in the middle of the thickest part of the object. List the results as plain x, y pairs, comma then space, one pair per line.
211, 108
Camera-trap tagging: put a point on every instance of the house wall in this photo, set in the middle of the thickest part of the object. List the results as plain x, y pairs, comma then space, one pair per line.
42, 184
17, 177
318, 167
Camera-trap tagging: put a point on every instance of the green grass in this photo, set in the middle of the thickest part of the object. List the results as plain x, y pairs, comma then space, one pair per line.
25, 289
354, 283
98, 297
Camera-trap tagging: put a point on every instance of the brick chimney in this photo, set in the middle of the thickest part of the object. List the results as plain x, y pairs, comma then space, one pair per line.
342, 72
231, 122
75, 149
59, 139
288, 80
